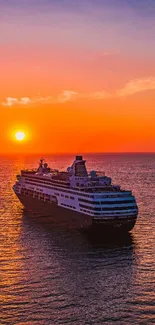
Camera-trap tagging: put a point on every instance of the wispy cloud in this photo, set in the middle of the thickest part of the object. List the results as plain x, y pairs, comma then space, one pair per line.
9, 101
66, 95
131, 88
136, 86
63, 97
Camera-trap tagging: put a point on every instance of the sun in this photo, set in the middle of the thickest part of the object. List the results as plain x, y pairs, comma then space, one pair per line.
20, 135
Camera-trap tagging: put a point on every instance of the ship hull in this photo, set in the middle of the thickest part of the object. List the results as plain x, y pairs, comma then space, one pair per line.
73, 219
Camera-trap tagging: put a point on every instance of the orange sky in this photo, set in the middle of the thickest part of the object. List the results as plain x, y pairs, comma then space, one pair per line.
75, 83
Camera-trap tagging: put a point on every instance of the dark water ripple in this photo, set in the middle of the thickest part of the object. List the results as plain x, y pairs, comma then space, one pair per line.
51, 275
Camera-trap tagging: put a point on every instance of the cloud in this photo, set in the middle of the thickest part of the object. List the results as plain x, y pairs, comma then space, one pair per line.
10, 101
131, 88
63, 97
24, 101
136, 86
67, 95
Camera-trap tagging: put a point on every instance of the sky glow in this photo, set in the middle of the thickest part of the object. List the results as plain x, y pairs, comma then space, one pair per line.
66, 64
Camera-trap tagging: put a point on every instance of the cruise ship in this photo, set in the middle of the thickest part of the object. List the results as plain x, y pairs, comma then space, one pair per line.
76, 197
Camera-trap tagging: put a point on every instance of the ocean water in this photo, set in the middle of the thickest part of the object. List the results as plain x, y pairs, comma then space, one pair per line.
51, 275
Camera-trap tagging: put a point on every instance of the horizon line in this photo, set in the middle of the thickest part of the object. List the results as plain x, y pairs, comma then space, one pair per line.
75, 153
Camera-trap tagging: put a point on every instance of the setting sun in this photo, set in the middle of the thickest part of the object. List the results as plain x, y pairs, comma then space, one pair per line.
20, 136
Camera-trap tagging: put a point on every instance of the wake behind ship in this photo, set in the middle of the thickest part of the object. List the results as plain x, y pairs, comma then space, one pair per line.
76, 197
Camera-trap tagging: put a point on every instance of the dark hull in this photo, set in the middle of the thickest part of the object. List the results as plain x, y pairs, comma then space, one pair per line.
73, 219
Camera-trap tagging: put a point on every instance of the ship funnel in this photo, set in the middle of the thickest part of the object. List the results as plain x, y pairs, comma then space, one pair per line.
79, 158
79, 167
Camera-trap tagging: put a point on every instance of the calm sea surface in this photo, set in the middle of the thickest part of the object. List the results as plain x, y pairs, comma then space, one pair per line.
50, 275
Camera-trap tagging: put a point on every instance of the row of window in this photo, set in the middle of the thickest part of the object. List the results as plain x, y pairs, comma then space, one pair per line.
93, 213
110, 215
57, 194
110, 195
38, 195
47, 196
46, 186
83, 210
68, 197
38, 181
46, 180
106, 202
118, 216
69, 206
27, 192
55, 188
80, 178
107, 209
